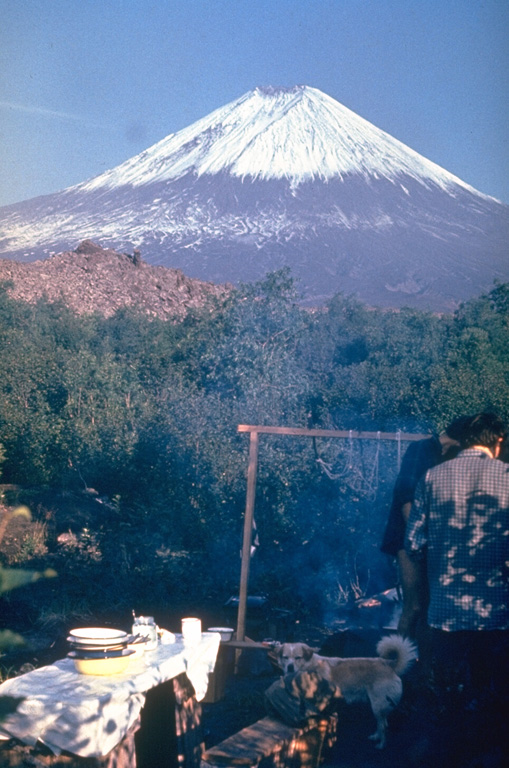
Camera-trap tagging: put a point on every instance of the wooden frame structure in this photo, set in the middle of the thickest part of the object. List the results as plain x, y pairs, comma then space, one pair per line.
252, 470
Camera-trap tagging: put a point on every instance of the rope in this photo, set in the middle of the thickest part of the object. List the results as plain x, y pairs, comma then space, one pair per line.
352, 470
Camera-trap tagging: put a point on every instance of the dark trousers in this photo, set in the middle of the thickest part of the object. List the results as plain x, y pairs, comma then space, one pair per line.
470, 677
470, 662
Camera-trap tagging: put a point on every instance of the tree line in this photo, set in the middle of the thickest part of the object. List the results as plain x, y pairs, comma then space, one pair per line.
146, 411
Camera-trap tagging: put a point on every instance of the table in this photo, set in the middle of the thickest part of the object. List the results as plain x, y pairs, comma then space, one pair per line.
91, 717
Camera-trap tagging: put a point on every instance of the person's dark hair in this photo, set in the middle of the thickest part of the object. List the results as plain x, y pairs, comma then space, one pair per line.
484, 429
456, 429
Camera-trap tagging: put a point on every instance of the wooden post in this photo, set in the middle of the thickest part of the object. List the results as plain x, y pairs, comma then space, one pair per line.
248, 534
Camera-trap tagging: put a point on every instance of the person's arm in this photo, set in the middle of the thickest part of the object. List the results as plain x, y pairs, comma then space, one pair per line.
416, 536
405, 510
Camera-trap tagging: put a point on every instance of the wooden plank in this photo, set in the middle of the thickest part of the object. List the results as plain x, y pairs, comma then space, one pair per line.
353, 434
247, 644
270, 742
251, 744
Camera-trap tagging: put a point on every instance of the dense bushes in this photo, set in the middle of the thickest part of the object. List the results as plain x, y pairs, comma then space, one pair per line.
146, 413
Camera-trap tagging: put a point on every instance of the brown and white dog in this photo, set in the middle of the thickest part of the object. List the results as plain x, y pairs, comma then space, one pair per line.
373, 679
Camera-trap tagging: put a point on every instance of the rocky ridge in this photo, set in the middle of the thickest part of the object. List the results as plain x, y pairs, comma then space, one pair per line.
92, 279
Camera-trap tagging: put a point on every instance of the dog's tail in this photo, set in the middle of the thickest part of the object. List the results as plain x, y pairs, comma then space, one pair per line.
397, 651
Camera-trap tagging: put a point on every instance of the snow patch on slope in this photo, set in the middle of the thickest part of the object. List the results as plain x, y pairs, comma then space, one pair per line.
195, 221
295, 133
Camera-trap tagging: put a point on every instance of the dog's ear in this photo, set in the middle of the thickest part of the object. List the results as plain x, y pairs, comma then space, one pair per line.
307, 652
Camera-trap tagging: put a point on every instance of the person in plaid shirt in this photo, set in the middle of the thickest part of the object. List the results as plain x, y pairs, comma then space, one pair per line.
458, 531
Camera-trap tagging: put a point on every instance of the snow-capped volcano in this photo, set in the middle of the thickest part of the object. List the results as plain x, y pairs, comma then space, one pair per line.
299, 134
284, 177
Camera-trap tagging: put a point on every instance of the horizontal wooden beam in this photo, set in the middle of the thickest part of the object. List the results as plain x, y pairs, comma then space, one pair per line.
247, 645
353, 434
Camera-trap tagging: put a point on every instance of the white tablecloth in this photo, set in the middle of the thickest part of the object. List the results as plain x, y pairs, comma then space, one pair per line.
89, 715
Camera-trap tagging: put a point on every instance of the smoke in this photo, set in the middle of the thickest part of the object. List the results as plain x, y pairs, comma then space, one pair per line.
319, 546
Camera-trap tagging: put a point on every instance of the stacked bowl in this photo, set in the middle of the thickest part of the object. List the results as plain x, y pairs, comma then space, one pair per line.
99, 651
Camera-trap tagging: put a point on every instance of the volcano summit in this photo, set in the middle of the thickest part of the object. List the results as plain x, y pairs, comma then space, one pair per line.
284, 177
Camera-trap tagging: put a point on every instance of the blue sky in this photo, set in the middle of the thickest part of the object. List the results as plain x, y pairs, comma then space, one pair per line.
86, 84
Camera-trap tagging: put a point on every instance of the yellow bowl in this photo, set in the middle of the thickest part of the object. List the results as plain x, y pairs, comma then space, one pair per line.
107, 666
138, 649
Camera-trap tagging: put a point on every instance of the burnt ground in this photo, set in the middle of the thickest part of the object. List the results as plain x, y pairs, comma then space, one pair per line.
425, 731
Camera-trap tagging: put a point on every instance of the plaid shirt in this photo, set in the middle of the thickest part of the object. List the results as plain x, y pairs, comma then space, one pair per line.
460, 519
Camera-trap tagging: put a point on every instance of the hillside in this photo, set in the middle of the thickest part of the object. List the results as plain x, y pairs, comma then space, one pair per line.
92, 279
284, 177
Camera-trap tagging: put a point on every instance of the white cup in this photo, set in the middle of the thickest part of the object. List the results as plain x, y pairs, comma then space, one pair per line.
191, 631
